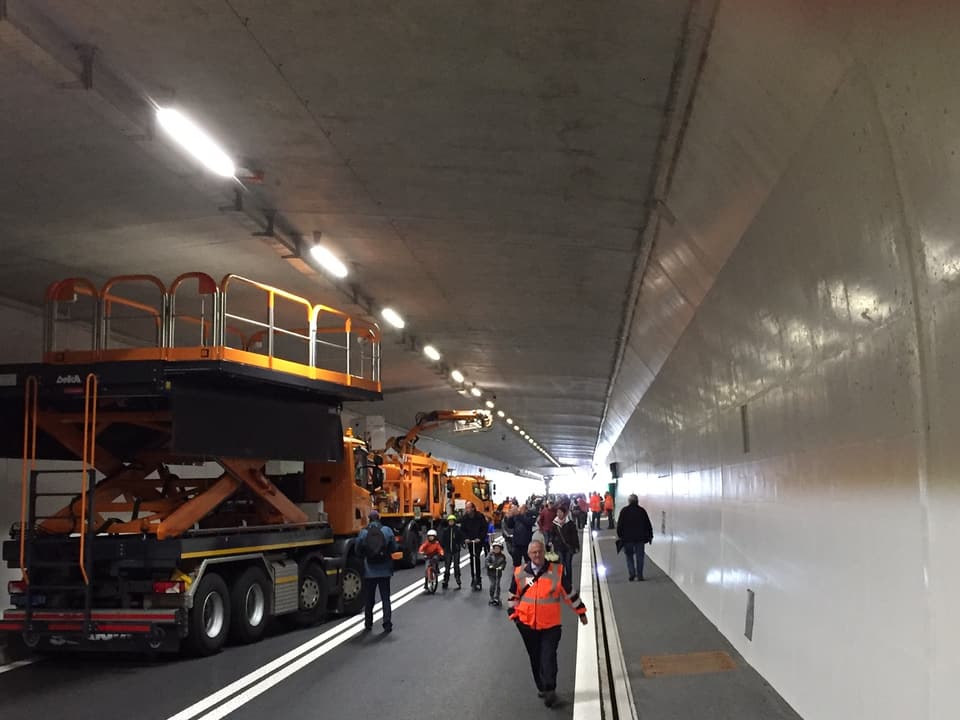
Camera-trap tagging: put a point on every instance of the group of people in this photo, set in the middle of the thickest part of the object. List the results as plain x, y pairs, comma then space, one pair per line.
541, 544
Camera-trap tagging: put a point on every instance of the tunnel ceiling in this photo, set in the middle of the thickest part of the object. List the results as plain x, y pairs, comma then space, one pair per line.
485, 168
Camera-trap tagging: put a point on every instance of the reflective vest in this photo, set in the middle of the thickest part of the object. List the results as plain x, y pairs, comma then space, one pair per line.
539, 608
608, 502
595, 503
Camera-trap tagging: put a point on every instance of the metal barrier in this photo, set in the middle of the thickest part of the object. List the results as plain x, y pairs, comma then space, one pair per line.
323, 338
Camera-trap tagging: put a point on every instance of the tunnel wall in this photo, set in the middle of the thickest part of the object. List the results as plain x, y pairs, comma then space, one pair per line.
799, 439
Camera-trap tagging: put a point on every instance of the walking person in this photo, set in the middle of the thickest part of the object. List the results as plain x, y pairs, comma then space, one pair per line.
522, 535
535, 595
474, 526
376, 545
608, 509
596, 506
451, 538
565, 541
635, 531
496, 563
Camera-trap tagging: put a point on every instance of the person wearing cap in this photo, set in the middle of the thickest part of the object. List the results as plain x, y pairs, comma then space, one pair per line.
451, 540
376, 574
496, 563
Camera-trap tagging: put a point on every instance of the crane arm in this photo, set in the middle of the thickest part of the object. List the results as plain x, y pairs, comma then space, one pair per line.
462, 420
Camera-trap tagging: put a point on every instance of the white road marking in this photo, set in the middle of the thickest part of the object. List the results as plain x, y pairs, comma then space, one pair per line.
314, 648
586, 684
14, 665
622, 690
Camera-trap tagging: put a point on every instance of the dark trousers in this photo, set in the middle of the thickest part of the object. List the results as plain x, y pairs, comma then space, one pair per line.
451, 558
517, 555
566, 559
494, 579
384, 585
609, 519
475, 554
542, 650
594, 520
635, 555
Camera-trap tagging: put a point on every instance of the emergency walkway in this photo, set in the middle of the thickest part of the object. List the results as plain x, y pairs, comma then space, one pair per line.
450, 655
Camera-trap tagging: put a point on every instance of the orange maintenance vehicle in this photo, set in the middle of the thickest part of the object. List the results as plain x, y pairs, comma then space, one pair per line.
409, 487
178, 407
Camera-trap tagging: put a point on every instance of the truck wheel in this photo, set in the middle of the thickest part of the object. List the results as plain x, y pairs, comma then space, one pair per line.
312, 592
353, 586
210, 615
250, 606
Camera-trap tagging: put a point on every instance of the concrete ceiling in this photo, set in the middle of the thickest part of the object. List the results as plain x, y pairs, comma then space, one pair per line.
485, 168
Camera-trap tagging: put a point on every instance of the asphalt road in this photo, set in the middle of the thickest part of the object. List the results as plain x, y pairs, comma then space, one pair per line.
450, 655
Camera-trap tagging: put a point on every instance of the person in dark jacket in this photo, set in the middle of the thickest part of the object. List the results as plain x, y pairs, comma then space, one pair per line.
522, 535
377, 574
564, 538
635, 531
451, 538
474, 527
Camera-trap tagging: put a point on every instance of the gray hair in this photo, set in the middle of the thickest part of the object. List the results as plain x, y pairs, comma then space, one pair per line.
536, 542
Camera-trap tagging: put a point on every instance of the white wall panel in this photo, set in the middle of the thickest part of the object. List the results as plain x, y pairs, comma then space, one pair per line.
835, 321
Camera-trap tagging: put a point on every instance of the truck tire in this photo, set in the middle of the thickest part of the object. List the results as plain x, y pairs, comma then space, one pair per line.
313, 593
250, 606
210, 615
352, 586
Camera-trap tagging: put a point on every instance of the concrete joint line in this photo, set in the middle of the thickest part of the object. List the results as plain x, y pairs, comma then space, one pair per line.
621, 695
588, 702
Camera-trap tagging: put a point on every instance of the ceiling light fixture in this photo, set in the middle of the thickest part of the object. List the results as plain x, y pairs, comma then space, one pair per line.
490, 404
328, 261
195, 141
500, 413
509, 421
431, 352
457, 376
392, 317
475, 391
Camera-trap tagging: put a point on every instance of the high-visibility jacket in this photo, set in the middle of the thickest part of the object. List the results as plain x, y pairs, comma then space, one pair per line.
608, 502
539, 607
595, 503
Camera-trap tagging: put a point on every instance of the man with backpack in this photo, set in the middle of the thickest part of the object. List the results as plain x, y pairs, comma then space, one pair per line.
376, 545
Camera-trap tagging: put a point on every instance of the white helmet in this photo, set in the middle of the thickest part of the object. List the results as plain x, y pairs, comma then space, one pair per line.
497, 543
431, 533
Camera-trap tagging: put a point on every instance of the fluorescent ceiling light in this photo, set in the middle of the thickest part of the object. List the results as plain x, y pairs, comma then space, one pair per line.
431, 352
391, 316
568, 461
509, 421
490, 404
457, 376
517, 428
328, 261
500, 413
475, 391
195, 141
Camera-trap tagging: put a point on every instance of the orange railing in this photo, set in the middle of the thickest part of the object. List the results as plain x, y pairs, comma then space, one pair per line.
226, 329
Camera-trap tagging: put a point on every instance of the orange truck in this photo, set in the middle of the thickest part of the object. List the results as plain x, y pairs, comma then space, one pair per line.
178, 406
411, 489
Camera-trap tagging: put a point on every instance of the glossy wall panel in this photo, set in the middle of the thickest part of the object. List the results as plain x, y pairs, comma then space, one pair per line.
832, 336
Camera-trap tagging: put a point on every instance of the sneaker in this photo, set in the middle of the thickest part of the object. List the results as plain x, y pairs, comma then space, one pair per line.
631, 578
539, 693
367, 628
444, 585
549, 698
387, 629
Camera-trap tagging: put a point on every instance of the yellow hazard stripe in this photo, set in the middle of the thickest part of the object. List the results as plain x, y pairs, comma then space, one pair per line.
285, 580
253, 548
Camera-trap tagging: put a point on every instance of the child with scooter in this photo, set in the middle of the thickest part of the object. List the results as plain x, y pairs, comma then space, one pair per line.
496, 562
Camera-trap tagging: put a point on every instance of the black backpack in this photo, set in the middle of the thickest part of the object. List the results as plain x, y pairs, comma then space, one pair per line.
375, 544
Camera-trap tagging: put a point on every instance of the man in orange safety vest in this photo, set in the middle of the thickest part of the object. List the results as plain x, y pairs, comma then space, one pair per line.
535, 595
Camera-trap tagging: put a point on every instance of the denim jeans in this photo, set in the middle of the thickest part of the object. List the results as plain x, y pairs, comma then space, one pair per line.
635, 554
373, 585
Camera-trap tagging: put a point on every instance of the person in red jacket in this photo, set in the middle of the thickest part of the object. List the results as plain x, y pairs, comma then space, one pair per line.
535, 595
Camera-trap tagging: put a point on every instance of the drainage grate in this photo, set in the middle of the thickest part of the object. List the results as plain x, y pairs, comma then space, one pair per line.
698, 663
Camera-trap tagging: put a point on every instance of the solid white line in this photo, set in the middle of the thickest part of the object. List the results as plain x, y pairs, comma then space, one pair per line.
586, 684
346, 628
622, 690
14, 665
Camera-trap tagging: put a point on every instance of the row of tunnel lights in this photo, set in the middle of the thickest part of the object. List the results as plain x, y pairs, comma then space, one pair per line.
198, 143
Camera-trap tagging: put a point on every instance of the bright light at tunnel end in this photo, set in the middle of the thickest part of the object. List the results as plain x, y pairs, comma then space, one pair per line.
195, 141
